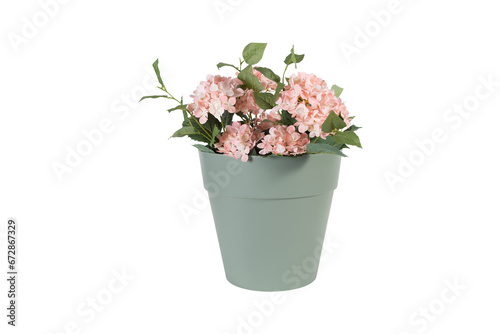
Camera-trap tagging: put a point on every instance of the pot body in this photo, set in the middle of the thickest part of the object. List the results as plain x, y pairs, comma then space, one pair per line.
270, 215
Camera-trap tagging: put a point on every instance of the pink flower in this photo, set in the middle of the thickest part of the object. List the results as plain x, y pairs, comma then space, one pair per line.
268, 84
214, 96
266, 119
237, 141
310, 101
246, 103
283, 140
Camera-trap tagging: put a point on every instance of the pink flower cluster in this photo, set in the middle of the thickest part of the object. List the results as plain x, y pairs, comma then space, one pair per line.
283, 140
246, 103
309, 100
214, 96
237, 141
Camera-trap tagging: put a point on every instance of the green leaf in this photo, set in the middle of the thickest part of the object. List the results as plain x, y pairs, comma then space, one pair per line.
211, 123
353, 128
324, 148
268, 73
337, 90
227, 118
253, 52
219, 65
203, 148
153, 97
179, 107
348, 137
201, 135
293, 58
185, 115
264, 100
333, 122
330, 141
287, 118
157, 71
249, 79
279, 88
185, 131
243, 116
215, 132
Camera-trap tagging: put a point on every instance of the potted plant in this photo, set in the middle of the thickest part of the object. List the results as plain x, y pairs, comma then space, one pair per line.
270, 150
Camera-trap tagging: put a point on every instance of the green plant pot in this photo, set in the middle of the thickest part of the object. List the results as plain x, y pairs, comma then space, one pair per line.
270, 215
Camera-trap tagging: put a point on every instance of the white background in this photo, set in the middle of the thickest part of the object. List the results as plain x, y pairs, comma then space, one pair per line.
119, 208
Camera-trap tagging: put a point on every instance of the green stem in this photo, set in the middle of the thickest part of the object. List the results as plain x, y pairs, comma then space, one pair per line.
283, 77
173, 98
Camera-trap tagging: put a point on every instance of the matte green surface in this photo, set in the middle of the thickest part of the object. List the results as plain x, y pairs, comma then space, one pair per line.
271, 215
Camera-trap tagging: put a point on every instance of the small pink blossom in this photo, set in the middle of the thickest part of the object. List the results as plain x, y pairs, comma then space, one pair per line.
268, 84
310, 101
246, 103
266, 119
237, 141
283, 140
214, 96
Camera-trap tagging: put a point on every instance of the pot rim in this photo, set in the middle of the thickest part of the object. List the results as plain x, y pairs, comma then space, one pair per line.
251, 157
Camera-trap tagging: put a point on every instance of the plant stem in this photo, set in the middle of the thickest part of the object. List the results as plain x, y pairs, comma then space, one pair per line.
283, 77
173, 98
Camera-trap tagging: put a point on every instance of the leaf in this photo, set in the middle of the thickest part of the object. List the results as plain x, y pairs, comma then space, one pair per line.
324, 148
203, 148
337, 90
330, 141
279, 88
185, 131
200, 135
185, 115
250, 80
333, 122
215, 132
211, 123
179, 107
353, 128
157, 71
293, 58
253, 52
153, 97
348, 137
219, 65
268, 73
227, 118
243, 116
287, 118
264, 100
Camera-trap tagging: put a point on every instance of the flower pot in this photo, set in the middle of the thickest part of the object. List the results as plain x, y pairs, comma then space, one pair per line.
270, 215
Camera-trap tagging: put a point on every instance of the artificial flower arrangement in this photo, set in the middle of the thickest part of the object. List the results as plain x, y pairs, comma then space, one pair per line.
260, 113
